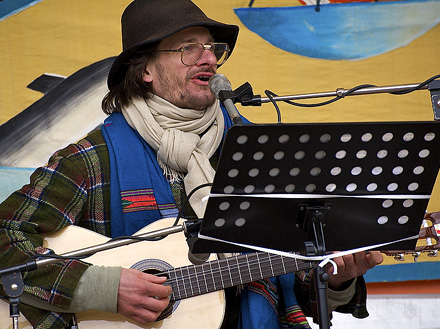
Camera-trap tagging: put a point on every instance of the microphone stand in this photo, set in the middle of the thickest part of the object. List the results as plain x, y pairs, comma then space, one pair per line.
433, 86
12, 277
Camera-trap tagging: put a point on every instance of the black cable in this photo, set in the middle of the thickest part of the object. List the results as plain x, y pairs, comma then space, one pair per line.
410, 90
269, 94
185, 203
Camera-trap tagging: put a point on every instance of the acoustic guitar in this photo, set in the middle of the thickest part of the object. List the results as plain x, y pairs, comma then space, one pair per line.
197, 296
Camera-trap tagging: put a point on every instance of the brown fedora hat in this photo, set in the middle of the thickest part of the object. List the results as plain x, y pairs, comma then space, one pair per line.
145, 22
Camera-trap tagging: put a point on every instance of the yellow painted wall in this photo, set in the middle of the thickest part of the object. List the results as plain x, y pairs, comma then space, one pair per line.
63, 36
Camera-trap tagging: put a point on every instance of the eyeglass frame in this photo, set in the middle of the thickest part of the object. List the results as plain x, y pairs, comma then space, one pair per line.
205, 47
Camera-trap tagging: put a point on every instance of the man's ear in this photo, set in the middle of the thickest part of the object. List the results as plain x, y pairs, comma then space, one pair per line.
146, 76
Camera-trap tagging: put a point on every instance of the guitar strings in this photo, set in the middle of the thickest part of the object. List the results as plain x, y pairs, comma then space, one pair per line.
207, 278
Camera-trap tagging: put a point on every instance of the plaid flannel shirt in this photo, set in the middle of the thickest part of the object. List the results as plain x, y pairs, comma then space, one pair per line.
74, 189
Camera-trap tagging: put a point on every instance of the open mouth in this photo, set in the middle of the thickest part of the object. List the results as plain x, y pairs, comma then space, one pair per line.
202, 76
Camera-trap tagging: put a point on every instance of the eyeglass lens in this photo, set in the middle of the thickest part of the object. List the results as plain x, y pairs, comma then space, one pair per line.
192, 52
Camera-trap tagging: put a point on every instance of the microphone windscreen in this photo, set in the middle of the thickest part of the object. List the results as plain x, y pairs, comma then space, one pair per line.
217, 83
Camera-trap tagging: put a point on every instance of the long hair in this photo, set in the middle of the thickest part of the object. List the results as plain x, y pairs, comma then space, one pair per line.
133, 85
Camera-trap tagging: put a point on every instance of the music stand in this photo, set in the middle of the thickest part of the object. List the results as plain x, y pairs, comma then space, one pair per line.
335, 186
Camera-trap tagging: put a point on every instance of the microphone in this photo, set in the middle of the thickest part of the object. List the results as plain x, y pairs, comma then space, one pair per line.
218, 84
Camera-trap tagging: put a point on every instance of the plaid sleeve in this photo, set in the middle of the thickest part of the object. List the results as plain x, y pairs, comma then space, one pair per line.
306, 295
69, 190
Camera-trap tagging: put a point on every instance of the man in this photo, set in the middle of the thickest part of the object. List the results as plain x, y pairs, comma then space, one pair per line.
164, 129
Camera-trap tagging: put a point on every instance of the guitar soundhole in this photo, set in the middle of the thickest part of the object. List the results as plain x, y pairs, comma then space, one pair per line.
156, 267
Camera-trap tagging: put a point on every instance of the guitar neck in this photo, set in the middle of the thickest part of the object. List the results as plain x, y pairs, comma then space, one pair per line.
194, 280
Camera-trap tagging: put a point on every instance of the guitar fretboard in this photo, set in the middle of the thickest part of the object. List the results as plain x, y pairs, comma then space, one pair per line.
193, 280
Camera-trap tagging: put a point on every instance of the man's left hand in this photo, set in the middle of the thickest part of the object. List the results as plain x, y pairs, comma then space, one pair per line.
352, 266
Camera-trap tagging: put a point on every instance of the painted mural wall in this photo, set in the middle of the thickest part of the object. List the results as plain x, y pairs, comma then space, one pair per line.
55, 55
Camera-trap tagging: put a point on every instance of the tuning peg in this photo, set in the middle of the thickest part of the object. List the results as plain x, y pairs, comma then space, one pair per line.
433, 253
416, 256
400, 257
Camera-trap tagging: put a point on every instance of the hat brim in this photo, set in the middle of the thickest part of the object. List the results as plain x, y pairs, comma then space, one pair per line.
221, 33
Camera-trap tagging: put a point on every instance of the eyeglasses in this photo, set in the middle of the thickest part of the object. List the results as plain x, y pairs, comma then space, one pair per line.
191, 53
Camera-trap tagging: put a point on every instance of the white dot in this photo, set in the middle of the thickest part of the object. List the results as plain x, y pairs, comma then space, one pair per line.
320, 155
294, 172
392, 187
289, 188
424, 153
228, 189
219, 222
279, 155
387, 137
269, 188
263, 139
351, 187
403, 220
330, 187
242, 139
372, 187
387, 203
403, 154
224, 206
356, 171
315, 171
237, 156
336, 171
408, 137
382, 220
274, 172
245, 205
300, 155
325, 138
382, 154
341, 154
304, 139
258, 156
408, 203
283, 139
361, 154
418, 170
429, 137
377, 171
254, 172
240, 222
397, 170
413, 186
345, 138
233, 173
366, 137
310, 188
249, 189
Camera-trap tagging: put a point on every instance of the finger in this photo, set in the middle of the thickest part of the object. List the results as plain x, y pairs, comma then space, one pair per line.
374, 258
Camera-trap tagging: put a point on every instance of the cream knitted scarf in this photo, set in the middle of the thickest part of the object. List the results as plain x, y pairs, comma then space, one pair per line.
184, 140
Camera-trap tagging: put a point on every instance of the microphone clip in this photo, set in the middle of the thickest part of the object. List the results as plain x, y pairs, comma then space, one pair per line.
243, 94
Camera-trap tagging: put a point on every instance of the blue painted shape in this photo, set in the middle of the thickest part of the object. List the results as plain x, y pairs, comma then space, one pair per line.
404, 272
12, 179
349, 31
10, 7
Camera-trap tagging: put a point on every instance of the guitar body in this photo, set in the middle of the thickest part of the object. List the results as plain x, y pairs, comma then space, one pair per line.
204, 311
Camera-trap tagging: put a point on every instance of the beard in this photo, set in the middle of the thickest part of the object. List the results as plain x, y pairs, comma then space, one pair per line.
172, 89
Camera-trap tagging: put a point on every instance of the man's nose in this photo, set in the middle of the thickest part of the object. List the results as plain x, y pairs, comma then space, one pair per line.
208, 57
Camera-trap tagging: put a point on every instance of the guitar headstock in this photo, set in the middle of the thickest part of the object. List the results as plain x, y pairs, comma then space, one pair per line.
428, 241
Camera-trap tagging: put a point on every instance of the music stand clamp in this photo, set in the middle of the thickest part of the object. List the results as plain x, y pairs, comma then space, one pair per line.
434, 88
314, 217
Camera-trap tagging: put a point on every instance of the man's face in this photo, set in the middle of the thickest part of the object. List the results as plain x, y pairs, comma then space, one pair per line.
181, 85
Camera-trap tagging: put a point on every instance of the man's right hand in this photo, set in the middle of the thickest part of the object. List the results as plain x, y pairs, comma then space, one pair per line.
142, 296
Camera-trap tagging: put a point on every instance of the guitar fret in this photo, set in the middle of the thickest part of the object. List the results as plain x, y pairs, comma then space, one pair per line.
212, 275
